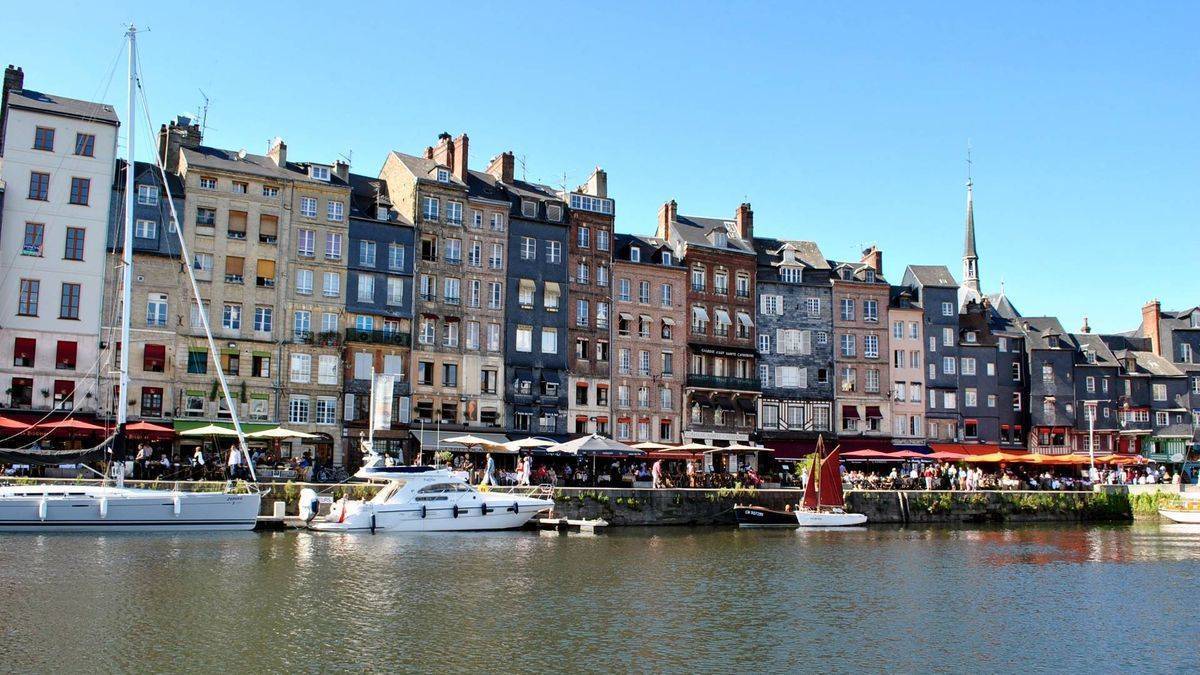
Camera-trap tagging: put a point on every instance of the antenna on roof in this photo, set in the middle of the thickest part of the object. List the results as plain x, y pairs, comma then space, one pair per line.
348, 156
202, 113
521, 160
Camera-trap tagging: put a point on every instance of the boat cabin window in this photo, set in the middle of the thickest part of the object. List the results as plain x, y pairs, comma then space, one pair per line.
444, 487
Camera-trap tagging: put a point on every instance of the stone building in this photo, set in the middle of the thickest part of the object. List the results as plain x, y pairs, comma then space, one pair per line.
936, 291
590, 260
535, 319
379, 299
907, 343
722, 388
1051, 367
461, 219
795, 345
162, 298
861, 296
649, 348
58, 163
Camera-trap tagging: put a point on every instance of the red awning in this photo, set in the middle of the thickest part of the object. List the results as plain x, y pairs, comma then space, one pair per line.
866, 454
69, 424
148, 427
785, 450
12, 425
873, 412
850, 412
965, 448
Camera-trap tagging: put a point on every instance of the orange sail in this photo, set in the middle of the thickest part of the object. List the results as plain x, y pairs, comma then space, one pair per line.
829, 493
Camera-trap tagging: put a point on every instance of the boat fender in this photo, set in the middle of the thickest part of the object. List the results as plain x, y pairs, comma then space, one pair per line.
309, 504
516, 508
104, 507
43, 507
372, 523
455, 510
424, 511
485, 509
176, 504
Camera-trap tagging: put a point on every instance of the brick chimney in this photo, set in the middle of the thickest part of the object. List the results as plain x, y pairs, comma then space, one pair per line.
461, 147
501, 167
596, 185
873, 258
278, 152
745, 221
341, 169
1151, 315
14, 79
666, 219
179, 133
1085, 328
443, 152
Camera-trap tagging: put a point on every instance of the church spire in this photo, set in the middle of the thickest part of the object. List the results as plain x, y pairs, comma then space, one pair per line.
970, 261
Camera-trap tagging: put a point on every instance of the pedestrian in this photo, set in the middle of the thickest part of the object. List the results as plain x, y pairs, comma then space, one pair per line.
691, 473
234, 463
489, 471
526, 469
656, 474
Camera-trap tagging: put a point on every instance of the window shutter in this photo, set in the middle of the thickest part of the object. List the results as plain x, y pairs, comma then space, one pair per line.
806, 342
780, 342
779, 305
802, 381
348, 410
779, 379
762, 302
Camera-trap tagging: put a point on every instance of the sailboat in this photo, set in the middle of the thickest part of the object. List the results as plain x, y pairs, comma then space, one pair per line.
114, 507
824, 504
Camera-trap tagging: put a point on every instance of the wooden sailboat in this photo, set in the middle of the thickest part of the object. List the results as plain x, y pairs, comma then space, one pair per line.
824, 504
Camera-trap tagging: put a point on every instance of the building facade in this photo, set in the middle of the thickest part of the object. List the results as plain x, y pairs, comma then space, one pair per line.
907, 320
649, 346
861, 296
936, 291
590, 260
58, 159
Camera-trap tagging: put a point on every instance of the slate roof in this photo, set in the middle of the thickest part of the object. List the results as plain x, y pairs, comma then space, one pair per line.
770, 252
694, 231
366, 193
257, 165
424, 168
1155, 365
1036, 328
1095, 344
936, 276
142, 168
858, 267
1002, 306
902, 298
61, 105
652, 249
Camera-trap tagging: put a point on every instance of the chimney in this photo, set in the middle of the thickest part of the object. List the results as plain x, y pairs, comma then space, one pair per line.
14, 79
341, 169
745, 221
1085, 328
596, 185
666, 218
873, 258
1151, 315
501, 167
461, 147
443, 152
278, 152
179, 133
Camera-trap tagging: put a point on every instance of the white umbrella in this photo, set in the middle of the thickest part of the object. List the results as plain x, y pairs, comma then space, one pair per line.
651, 445
696, 447
744, 447
209, 430
470, 441
280, 432
522, 443
594, 445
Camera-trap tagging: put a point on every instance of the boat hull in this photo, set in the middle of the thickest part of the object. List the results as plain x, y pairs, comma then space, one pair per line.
1181, 516
829, 519
502, 514
104, 509
757, 516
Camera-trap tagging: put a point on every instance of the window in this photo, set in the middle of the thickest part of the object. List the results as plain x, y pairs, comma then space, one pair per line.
948, 337
396, 255
308, 207
772, 305
197, 361
698, 279
790, 275
721, 283
231, 317
644, 292
304, 282
968, 366
154, 358
1159, 392
302, 324
847, 309
329, 322
335, 211
240, 187
332, 285
430, 208
73, 248
453, 251
764, 343
871, 346
1090, 384
583, 238
80, 190
333, 247
39, 186
847, 345
454, 212
949, 365
69, 302
524, 338
475, 254
452, 291
549, 340
494, 295
498, 222
306, 243
270, 191
262, 319
327, 369
43, 139
147, 195
528, 248
298, 410
1016, 401
366, 287
34, 239
156, 310
947, 309
85, 145
970, 397
665, 293
582, 313
872, 380
301, 368
871, 311
635, 254
1047, 374
145, 229
553, 252
623, 290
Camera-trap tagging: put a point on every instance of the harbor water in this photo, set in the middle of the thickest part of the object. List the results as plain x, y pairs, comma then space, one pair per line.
1040, 598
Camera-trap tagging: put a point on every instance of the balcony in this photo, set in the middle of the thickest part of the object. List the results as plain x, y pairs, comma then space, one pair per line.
725, 383
378, 337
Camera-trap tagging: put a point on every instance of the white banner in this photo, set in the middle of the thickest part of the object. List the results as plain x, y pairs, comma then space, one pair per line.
382, 393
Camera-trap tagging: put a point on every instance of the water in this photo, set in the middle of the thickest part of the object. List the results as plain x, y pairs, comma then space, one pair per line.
667, 599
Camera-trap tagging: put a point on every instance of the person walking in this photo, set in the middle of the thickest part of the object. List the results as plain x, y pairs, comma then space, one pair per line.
526, 469
656, 474
234, 463
489, 471
198, 464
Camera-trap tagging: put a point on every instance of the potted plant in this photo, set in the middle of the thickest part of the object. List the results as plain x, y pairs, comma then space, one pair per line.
216, 389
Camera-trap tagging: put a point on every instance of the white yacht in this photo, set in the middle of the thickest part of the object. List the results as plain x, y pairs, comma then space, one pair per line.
421, 499
40, 508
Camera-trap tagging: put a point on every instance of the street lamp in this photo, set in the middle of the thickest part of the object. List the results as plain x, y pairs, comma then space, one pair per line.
1090, 406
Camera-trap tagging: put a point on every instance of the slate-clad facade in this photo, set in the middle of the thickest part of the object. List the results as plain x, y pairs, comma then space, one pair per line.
1051, 367
1012, 375
978, 390
1097, 380
936, 292
795, 348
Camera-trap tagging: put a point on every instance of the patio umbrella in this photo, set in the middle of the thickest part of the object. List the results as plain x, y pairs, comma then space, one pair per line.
13, 425
522, 443
909, 454
69, 425
745, 447
695, 446
595, 445
866, 454
149, 427
651, 445
947, 456
279, 433
209, 430
473, 441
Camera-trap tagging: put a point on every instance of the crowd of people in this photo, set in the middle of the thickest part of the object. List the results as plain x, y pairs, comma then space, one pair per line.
529, 469
916, 476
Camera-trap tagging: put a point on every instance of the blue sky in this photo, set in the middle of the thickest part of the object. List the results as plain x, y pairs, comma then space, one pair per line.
842, 124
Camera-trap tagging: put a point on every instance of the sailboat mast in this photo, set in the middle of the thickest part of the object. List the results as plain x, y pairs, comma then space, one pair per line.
127, 247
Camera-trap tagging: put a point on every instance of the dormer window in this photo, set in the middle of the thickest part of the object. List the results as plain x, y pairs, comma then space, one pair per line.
666, 258
869, 276
529, 208
790, 275
1089, 356
554, 212
971, 336
1194, 319
720, 239
635, 254
847, 274
443, 175
381, 213
318, 173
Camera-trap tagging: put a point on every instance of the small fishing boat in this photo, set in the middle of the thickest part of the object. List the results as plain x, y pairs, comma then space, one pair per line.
1188, 512
421, 499
757, 516
824, 504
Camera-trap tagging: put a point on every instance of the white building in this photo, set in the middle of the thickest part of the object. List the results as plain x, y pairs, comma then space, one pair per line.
56, 163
